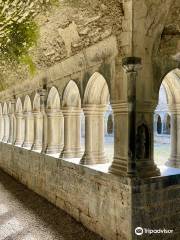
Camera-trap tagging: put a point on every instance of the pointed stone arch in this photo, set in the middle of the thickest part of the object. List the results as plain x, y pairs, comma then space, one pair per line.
27, 104
171, 83
96, 99
53, 100
71, 106
5, 108
71, 95
19, 106
37, 103
19, 123
55, 122
12, 121
29, 123
6, 122
38, 123
97, 91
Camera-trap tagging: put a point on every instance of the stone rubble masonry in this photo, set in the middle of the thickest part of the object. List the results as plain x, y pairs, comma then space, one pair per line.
100, 201
100, 57
106, 204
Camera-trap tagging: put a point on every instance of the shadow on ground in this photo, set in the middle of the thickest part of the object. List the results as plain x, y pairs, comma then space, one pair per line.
26, 216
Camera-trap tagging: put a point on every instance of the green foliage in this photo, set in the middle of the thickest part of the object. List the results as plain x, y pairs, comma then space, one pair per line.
18, 30
21, 38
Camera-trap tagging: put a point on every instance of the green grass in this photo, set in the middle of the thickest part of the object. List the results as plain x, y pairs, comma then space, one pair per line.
161, 153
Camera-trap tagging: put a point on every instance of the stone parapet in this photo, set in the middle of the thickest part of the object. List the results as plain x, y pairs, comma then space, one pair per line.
106, 204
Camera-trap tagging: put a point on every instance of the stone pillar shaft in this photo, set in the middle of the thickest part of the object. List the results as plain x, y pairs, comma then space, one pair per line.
133, 154
6, 128
29, 130
12, 123
94, 135
55, 125
174, 160
38, 131
120, 112
19, 129
72, 133
43, 98
1, 127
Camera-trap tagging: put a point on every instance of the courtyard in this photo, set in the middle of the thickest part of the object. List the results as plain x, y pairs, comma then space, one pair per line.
162, 149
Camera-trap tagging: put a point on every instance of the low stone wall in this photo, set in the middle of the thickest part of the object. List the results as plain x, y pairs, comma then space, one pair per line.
156, 206
100, 201
111, 206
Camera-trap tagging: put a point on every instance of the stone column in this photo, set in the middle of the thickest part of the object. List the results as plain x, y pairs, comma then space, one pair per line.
72, 133
155, 126
12, 123
1, 127
174, 159
6, 127
94, 135
38, 131
133, 130
19, 129
29, 130
55, 125
43, 99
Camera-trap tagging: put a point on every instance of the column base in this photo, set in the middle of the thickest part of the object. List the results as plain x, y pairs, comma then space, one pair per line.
18, 143
37, 147
53, 149
173, 162
143, 169
93, 158
119, 167
10, 141
5, 140
72, 153
27, 145
146, 169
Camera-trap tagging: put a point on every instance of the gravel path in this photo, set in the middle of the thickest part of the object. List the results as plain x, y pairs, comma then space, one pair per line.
26, 216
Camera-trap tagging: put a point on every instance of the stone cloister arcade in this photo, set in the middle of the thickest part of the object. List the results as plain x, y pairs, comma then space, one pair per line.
41, 130
109, 86
49, 124
162, 124
162, 118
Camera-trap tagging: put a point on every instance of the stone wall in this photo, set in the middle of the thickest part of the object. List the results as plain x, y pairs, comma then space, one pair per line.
74, 26
101, 201
156, 206
106, 204
97, 58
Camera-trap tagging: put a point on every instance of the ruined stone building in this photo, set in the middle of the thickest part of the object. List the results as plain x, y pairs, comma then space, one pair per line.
93, 56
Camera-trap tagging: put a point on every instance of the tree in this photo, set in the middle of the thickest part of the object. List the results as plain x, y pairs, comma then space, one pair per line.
18, 30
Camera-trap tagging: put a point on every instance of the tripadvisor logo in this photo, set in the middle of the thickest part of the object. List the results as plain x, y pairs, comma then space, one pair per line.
139, 231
